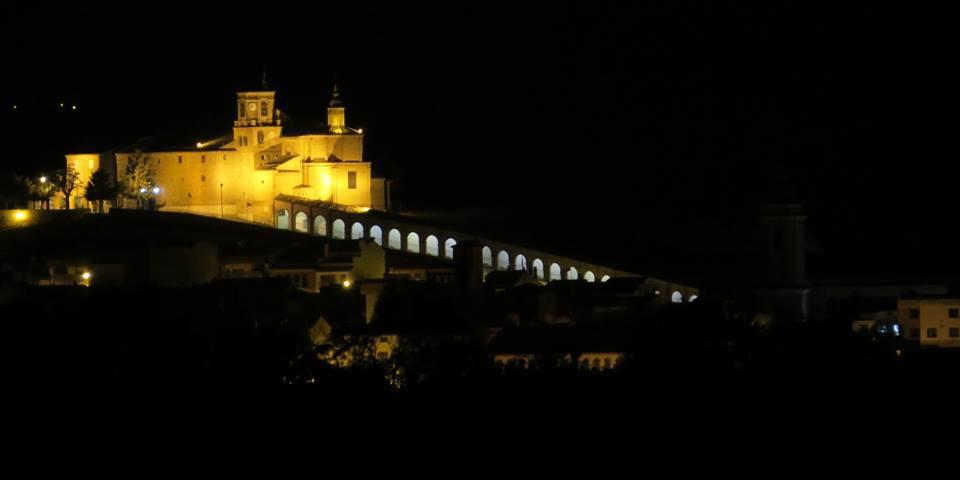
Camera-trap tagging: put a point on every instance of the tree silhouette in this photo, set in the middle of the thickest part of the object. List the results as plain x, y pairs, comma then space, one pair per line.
66, 181
100, 188
138, 178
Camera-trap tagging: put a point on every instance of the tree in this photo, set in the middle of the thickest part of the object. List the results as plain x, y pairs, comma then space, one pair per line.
40, 190
14, 191
67, 180
138, 178
100, 188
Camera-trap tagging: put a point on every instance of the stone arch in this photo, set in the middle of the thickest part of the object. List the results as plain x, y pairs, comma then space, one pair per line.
520, 262
339, 229
283, 219
573, 274
413, 242
376, 233
487, 256
448, 247
555, 272
676, 297
604, 278
393, 239
432, 246
503, 260
301, 222
320, 225
589, 277
356, 231
538, 268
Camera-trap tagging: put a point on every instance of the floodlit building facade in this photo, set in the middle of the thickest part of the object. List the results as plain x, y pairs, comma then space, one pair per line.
240, 174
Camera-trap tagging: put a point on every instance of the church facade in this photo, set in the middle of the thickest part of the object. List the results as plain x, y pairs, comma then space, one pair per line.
239, 175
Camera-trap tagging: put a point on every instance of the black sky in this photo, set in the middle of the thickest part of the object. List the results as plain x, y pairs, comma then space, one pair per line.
695, 108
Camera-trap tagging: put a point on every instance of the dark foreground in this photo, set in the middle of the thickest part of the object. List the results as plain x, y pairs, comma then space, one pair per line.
111, 385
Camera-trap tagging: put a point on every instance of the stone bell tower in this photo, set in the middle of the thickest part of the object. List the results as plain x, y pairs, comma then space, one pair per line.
258, 123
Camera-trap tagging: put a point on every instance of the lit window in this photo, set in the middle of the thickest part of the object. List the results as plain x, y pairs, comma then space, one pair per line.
351, 180
914, 313
931, 333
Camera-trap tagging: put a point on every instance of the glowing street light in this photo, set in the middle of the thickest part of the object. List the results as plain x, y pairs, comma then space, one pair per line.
43, 179
74, 107
199, 145
20, 215
346, 284
156, 190
86, 276
143, 190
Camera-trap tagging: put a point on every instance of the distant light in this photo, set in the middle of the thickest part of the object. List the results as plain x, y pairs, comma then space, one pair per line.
656, 292
896, 330
359, 130
143, 190
61, 105
346, 284
73, 107
20, 215
43, 179
692, 298
86, 276
156, 190
14, 107
199, 145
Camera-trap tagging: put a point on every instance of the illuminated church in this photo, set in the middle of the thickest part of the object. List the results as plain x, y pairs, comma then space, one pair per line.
240, 175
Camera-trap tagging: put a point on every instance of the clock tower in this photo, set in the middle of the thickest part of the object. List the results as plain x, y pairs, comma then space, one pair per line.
258, 123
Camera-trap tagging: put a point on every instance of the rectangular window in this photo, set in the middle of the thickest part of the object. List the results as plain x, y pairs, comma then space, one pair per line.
179, 159
351, 180
203, 159
955, 313
954, 332
931, 333
914, 313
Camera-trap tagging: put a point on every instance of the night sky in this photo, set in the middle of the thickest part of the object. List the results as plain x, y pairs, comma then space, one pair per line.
641, 117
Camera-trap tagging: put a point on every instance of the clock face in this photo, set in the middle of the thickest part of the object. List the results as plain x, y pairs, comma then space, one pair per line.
251, 106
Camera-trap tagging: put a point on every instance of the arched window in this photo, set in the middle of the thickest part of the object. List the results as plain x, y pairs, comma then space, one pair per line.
263, 109
413, 242
538, 268
320, 226
393, 239
554, 272
503, 260
433, 246
676, 297
487, 257
301, 222
573, 274
259, 137
356, 231
376, 233
339, 229
283, 220
692, 298
589, 277
604, 278
520, 263
448, 247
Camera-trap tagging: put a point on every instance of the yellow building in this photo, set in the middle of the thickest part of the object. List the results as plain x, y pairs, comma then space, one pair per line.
238, 175
931, 322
